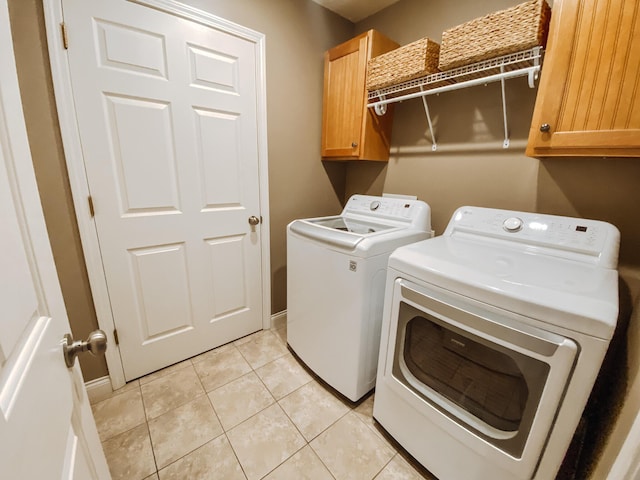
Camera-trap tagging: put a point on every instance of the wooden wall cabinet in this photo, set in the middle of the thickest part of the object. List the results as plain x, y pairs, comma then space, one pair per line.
588, 101
350, 130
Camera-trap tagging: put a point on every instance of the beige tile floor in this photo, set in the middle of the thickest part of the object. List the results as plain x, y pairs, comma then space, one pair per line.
246, 411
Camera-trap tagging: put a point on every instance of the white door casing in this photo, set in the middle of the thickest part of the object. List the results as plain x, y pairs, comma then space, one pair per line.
178, 91
46, 426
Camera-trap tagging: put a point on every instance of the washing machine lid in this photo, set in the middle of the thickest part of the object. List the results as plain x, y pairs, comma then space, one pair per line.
369, 225
558, 270
353, 225
338, 231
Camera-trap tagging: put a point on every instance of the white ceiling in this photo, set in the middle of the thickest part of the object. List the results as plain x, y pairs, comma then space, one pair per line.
355, 10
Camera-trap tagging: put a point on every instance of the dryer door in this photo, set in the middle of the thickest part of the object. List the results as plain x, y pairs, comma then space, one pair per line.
489, 372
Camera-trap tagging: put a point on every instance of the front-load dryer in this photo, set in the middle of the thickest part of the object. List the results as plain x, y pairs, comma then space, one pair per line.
336, 271
493, 335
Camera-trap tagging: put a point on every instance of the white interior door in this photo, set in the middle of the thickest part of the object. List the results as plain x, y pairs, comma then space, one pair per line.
46, 427
167, 117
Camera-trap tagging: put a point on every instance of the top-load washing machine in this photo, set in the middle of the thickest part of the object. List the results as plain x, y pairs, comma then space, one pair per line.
493, 335
336, 271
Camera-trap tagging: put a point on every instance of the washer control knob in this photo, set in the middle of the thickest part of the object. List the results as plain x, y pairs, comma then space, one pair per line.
512, 225
374, 205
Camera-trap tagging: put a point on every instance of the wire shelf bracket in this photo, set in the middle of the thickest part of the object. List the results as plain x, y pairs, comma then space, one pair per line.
526, 63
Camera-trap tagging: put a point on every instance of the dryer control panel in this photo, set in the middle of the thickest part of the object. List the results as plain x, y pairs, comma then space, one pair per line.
592, 241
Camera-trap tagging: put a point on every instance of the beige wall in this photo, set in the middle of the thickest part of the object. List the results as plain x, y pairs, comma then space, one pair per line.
630, 407
470, 166
297, 34
602, 188
32, 61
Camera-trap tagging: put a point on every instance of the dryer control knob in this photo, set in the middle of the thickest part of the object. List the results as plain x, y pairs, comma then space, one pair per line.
374, 205
512, 225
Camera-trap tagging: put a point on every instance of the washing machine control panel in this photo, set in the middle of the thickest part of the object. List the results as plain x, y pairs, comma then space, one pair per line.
591, 237
397, 209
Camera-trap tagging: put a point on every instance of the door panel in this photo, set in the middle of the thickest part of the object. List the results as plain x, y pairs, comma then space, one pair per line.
46, 427
213, 70
143, 154
114, 41
13, 258
229, 294
161, 289
167, 118
219, 137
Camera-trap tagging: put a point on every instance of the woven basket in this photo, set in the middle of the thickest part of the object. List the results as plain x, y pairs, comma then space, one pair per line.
405, 63
507, 31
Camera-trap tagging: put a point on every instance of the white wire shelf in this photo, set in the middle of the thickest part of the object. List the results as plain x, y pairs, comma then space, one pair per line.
525, 63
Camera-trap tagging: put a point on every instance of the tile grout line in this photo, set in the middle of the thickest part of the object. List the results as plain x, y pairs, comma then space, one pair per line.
153, 450
189, 400
362, 416
226, 383
235, 454
276, 402
217, 416
146, 421
116, 393
282, 463
124, 431
314, 450
307, 442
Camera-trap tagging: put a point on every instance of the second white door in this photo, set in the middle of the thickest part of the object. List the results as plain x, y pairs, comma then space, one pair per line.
167, 117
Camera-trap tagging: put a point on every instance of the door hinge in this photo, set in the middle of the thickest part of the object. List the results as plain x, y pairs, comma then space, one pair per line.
65, 38
91, 209
115, 336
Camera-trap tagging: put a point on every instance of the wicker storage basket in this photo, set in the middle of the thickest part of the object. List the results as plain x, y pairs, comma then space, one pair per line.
507, 31
405, 63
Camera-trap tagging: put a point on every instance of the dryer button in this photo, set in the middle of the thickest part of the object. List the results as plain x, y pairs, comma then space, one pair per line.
512, 225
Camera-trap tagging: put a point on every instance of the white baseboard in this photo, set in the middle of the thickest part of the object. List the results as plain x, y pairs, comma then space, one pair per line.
279, 319
98, 389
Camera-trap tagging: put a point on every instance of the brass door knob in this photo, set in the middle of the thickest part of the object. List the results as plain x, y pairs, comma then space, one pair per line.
253, 220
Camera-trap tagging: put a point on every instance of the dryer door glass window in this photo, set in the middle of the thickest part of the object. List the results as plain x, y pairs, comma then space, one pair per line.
485, 382
488, 388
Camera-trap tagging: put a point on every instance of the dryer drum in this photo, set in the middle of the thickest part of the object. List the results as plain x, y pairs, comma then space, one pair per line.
486, 383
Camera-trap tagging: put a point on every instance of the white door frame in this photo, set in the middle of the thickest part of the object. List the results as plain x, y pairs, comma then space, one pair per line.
77, 175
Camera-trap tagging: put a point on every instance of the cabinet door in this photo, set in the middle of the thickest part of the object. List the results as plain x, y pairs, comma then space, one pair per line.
589, 98
344, 96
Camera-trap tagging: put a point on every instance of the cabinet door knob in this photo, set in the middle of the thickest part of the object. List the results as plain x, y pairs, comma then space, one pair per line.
354, 144
545, 127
